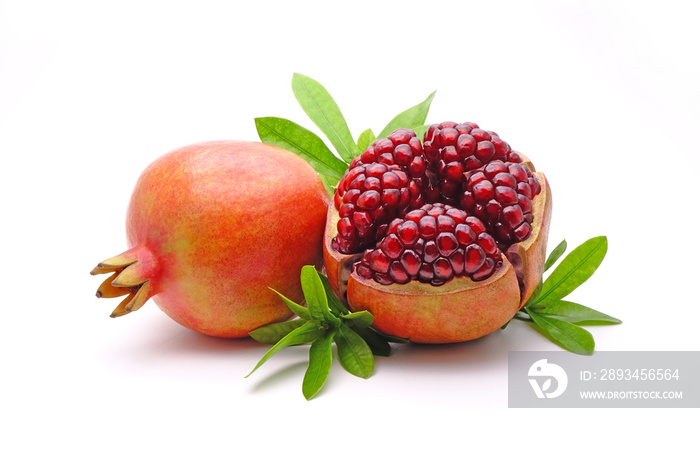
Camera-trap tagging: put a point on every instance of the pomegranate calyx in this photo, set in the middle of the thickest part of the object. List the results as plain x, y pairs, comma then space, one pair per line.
132, 273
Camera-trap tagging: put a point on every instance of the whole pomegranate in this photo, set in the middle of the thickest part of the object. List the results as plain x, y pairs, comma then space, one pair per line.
442, 242
211, 227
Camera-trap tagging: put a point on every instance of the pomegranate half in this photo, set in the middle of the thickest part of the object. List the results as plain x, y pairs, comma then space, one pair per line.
211, 227
430, 308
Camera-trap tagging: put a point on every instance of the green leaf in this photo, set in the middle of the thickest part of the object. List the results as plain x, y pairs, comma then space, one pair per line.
297, 309
295, 138
320, 360
366, 138
577, 314
308, 332
353, 352
315, 295
535, 294
362, 319
569, 336
411, 118
337, 307
576, 268
272, 333
420, 130
555, 255
324, 112
377, 343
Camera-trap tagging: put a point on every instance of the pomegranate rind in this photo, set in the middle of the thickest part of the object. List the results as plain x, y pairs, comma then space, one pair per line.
533, 251
459, 310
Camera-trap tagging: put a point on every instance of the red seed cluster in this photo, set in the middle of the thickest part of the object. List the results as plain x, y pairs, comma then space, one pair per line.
432, 244
452, 149
501, 194
368, 197
380, 185
398, 202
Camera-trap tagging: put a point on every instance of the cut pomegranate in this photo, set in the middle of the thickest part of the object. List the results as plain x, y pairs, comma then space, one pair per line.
445, 242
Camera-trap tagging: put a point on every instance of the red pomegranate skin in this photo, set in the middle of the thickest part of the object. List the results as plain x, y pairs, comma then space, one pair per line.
215, 225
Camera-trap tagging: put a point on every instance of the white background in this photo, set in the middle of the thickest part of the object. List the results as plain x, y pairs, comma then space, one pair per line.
603, 96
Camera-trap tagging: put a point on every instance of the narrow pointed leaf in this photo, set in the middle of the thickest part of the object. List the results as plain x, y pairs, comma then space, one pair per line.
337, 307
353, 352
362, 319
308, 332
320, 360
411, 118
315, 295
377, 343
295, 138
574, 269
555, 255
297, 309
366, 138
569, 336
272, 333
420, 130
577, 314
324, 112
535, 294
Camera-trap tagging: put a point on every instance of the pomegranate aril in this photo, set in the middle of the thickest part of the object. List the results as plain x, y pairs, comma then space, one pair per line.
393, 225
457, 262
518, 172
485, 151
408, 233
427, 226
346, 210
411, 262
364, 271
357, 183
459, 216
376, 170
466, 145
390, 180
474, 258
351, 196
425, 273
464, 234
446, 223
430, 252
494, 168
401, 136
346, 229
446, 244
487, 243
398, 274
362, 221
442, 269
379, 262
383, 279
383, 145
506, 196
480, 135
485, 271
391, 197
505, 179
513, 215
391, 246
476, 225
522, 232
